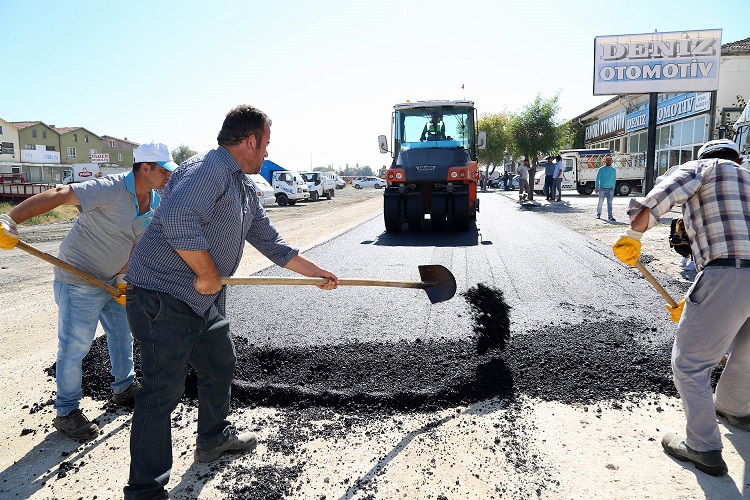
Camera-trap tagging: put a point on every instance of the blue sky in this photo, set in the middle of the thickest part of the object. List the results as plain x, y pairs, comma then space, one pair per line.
327, 72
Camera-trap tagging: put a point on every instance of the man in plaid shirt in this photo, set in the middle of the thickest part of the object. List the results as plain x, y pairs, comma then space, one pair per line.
713, 316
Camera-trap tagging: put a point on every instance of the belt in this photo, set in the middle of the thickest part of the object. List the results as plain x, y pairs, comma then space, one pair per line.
737, 263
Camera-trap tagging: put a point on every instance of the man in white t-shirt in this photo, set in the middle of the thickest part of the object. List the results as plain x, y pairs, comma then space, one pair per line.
523, 179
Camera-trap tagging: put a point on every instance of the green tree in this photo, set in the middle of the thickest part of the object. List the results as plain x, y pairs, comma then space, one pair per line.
182, 153
497, 127
535, 131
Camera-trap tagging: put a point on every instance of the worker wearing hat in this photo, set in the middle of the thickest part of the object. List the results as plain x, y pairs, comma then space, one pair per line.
115, 211
713, 316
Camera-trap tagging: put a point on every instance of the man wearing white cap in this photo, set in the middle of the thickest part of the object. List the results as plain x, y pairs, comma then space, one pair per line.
115, 211
713, 316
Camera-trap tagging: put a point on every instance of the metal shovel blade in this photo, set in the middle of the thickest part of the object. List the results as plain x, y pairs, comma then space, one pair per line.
440, 285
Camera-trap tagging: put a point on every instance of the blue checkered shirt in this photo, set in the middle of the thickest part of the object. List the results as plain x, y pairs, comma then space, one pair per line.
715, 198
208, 204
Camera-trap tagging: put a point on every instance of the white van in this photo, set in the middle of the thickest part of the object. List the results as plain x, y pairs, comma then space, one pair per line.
265, 192
320, 184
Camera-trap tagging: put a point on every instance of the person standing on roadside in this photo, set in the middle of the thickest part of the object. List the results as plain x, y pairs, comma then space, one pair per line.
549, 170
557, 179
176, 300
523, 179
115, 211
713, 317
606, 179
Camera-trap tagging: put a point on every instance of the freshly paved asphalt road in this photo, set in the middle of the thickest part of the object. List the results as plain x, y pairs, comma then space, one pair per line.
550, 276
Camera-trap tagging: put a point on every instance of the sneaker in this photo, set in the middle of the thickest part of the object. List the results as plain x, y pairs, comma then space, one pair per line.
709, 462
247, 441
612, 219
127, 397
683, 261
75, 425
690, 266
598, 216
739, 422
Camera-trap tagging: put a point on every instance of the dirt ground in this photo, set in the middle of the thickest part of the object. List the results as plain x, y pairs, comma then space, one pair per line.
608, 451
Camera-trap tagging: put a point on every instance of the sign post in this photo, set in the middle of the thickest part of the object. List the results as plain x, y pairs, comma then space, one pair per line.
654, 63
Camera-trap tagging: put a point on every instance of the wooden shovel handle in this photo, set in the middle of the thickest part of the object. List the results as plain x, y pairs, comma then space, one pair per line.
263, 280
656, 284
68, 267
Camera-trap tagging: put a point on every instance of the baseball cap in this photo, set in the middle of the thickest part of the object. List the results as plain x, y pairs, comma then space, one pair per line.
718, 144
156, 153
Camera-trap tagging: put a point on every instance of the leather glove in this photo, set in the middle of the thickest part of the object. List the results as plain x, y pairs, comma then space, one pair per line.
121, 285
628, 247
675, 313
9, 233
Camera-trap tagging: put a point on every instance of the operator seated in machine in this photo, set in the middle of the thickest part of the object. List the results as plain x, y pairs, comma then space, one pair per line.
434, 130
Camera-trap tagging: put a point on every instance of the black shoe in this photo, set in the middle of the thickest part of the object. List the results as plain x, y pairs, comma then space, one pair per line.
247, 441
612, 219
598, 216
75, 425
709, 462
739, 422
127, 397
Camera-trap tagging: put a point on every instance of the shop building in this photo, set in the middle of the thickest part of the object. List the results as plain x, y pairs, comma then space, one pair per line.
685, 121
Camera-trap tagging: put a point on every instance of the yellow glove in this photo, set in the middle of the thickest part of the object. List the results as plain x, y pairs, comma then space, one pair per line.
121, 285
9, 232
628, 247
675, 313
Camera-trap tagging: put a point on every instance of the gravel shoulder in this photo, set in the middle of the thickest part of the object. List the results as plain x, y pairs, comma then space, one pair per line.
491, 449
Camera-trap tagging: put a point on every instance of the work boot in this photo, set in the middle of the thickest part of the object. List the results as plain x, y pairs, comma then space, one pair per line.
739, 422
247, 441
709, 462
127, 397
75, 425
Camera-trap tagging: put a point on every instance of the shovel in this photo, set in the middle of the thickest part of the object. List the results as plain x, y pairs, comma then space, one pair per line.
68, 267
437, 282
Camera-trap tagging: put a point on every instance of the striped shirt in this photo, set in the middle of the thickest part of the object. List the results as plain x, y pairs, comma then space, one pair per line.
208, 204
715, 197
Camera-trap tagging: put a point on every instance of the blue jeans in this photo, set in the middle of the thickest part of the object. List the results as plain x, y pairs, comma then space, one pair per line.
171, 336
557, 187
80, 309
609, 194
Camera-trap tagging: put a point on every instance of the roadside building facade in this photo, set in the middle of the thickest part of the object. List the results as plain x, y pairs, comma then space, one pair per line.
120, 151
684, 120
40, 151
77, 144
9, 148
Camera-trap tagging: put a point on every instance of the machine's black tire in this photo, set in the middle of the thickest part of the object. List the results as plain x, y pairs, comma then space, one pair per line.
292, 202
623, 189
438, 212
414, 213
282, 200
391, 214
461, 213
313, 196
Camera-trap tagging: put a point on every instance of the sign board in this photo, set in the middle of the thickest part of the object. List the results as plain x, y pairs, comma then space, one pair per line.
679, 107
100, 158
39, 156
680, 61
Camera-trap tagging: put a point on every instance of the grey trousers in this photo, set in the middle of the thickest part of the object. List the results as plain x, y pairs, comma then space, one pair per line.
714, 322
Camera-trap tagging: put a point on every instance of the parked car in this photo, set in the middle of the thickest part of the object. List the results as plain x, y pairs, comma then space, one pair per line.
364, 182
265, 192
665, 174
340, 183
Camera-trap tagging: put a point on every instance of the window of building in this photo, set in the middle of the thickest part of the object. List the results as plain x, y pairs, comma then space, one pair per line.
85, 138
92, 152
29, 146
111, 144
33, 133
7, 148
44, 134
678, 142
71, 152
119, 156
51, 148
75, 137
1, 130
